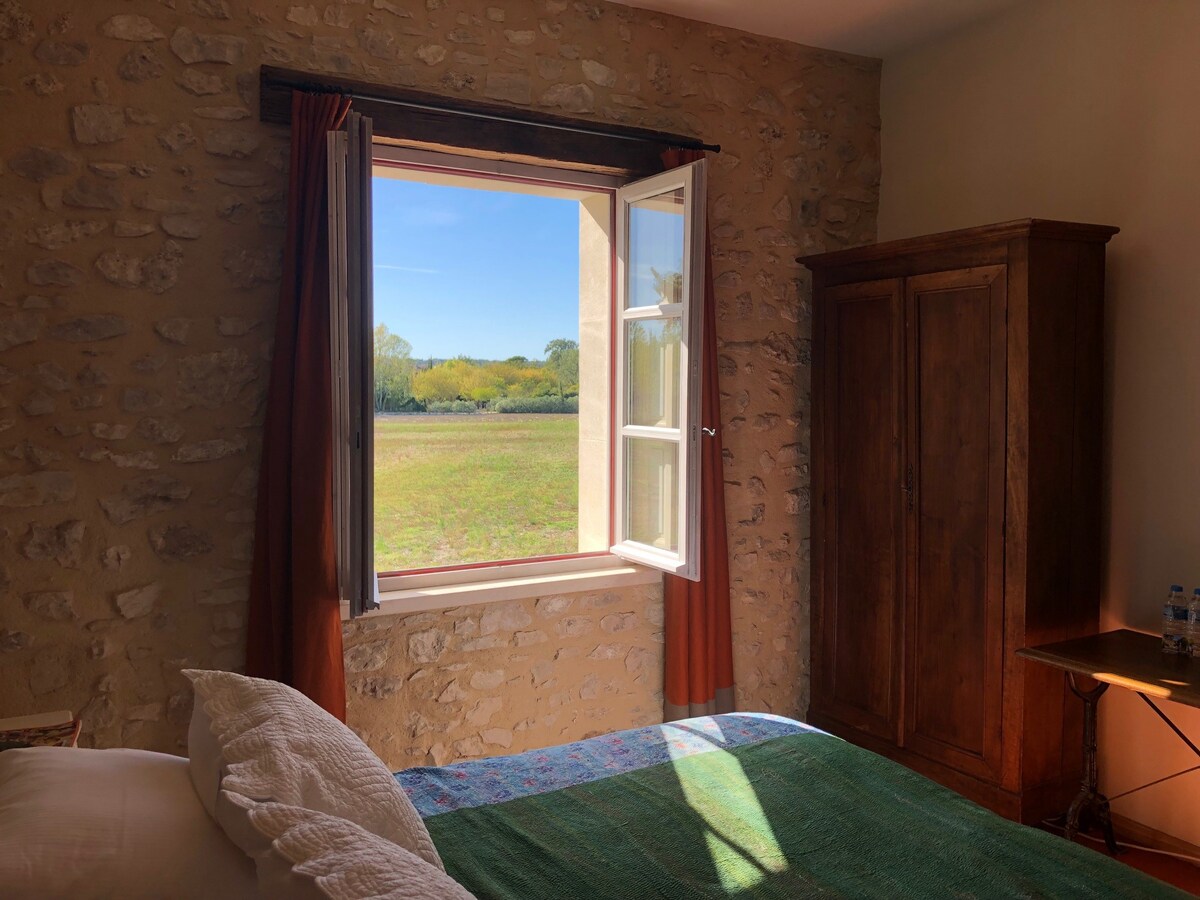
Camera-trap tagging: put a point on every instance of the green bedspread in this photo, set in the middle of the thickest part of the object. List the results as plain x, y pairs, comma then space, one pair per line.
798, 816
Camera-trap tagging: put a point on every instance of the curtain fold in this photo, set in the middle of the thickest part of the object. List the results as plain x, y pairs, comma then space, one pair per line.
698, 673
294, 624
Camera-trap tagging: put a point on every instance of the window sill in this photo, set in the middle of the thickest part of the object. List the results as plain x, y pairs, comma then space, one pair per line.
407, 594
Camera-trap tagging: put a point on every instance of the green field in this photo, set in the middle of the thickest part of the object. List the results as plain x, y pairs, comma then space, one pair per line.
451, 490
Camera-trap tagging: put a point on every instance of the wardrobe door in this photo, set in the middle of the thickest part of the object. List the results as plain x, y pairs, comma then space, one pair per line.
858, 521
955, 323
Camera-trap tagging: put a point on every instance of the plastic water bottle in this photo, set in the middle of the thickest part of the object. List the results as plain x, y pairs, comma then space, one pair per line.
1193, 629
1175, 621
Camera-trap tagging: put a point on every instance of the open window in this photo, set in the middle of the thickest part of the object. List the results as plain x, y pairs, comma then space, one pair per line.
660, 296
634, 494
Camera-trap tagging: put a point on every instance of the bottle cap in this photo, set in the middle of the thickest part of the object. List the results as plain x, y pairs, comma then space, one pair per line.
1176, 588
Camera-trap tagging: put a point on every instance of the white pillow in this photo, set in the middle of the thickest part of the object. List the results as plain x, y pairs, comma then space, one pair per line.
274, 744
111, 824
312, 856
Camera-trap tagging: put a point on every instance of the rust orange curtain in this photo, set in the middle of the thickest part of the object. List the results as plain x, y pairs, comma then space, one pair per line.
698, 676
295, 629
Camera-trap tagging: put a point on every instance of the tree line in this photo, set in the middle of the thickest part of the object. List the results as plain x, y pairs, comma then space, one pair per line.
518, 384
404, 385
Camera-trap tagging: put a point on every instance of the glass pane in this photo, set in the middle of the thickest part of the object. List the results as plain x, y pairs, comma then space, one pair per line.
652, 349
656, 250
651, 500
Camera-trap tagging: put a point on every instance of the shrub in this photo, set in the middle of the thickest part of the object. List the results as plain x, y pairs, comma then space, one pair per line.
412, 404
450, 406
393, 405
536, 405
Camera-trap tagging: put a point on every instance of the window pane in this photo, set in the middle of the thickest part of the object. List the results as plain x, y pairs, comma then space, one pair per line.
652, 348
656, 250
651, 501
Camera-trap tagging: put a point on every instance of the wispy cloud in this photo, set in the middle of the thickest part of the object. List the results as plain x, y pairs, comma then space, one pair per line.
431, 216
412, 269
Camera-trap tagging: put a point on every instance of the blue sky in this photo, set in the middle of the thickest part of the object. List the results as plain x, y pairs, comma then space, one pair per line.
445, 278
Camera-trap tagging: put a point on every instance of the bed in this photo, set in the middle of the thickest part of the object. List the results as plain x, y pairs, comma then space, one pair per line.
279, 800
752, 806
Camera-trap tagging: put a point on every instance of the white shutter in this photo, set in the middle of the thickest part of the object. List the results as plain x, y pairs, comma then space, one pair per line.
351, 319
660, 296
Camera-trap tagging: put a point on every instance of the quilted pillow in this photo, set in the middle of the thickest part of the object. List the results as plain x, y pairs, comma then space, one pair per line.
312, 856
274, 744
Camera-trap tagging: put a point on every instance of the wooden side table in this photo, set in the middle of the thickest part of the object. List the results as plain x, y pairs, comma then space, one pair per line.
1128, 659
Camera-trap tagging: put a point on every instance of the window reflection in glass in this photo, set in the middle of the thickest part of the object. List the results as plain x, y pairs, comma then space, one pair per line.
656, 250
651, 501
652, 348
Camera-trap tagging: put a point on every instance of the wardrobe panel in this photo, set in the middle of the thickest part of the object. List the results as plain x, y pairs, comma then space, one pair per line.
955, 602
863, 546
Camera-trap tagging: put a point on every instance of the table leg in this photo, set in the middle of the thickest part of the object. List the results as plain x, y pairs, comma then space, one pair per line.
1089, 803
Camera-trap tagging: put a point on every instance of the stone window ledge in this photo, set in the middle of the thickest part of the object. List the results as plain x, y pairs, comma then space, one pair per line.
406, 594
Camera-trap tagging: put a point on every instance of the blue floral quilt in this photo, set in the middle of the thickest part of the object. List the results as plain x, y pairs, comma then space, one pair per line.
442, 789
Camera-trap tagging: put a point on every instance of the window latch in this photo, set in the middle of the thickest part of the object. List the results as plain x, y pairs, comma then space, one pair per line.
711, 432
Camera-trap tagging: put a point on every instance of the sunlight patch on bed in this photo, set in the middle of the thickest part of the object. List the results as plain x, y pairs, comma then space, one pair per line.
694, 735
740, 839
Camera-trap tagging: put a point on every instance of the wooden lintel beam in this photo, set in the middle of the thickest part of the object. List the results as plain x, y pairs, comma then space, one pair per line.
407, 116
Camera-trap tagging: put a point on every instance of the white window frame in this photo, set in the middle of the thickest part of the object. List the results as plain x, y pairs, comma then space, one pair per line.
686, 561
625, 564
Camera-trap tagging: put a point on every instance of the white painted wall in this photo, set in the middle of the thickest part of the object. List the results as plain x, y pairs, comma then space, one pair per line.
1089, 110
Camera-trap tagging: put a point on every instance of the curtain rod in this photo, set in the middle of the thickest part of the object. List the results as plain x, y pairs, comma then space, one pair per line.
674, 141
683, 143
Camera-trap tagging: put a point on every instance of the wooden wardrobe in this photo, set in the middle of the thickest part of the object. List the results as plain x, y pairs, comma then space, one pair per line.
956, 447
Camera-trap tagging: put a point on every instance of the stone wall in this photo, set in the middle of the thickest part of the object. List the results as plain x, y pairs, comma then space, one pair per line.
473, 681
141, 213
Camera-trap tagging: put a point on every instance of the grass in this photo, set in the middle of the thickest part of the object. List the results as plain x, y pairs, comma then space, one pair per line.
453, 490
